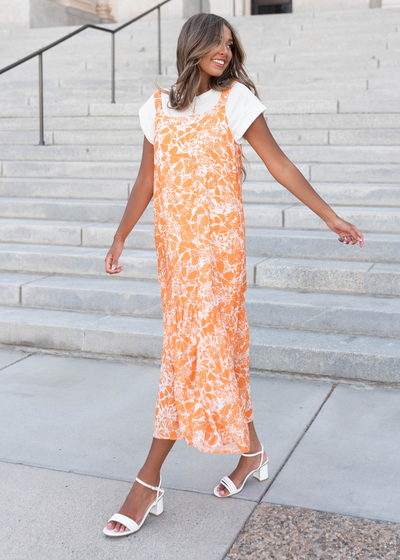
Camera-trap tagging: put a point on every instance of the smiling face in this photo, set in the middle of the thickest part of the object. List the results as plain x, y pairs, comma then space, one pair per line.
215, 61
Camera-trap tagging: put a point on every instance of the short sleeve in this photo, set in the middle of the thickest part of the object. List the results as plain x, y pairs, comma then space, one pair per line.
242, 109
147, 115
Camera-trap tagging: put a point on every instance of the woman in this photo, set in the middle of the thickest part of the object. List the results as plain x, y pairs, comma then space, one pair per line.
192, 168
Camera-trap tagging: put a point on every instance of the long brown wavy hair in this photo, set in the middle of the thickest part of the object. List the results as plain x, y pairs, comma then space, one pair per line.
200, 34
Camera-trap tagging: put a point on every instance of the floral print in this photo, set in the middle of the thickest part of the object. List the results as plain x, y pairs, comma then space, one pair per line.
204, 393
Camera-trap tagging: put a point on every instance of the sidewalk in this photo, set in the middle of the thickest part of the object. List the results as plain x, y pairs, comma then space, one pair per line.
75, 431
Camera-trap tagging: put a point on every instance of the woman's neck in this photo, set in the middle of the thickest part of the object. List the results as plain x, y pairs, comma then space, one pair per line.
204, 84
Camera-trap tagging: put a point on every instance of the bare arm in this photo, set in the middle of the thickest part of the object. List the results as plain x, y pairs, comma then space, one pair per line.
139, 199
286, 173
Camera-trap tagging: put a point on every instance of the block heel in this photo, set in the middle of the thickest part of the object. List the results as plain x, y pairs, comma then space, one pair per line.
158, 508
262, 473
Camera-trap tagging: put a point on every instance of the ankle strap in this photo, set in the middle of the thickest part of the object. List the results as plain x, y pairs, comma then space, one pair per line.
254, 454
155, 488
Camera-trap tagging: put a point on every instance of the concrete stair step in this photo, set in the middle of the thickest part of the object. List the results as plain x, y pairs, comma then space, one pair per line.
318, 172
354, 194
363, 138
355, 173
110, 137
278, 273
334, 121
108, 295
368, 219
144, 84
367, 87
301, 45
22, 137
368, 173
278, 106
300, 122
52, 110
296, 61
329, 276
86, 261
135, 137
62, 96
269, 242
325, 66
112, 210
42, 232
273, 91
64, 330
75, 261
75, 234
263, 242
275, 106
362, 315
383, 248
65, 209
75, 123
368, 106
111, 153
71, 170
283, 350
133, 153
64, 188
330, 154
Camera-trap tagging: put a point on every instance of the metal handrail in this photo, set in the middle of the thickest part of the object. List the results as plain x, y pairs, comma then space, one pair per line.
39, 53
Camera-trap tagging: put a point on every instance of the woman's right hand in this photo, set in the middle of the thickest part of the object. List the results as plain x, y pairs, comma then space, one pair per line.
112, 257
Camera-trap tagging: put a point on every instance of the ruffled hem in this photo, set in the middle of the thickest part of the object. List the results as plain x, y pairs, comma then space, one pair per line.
204, 394
234, 448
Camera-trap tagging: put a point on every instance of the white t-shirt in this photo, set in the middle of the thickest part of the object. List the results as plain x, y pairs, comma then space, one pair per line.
242, 108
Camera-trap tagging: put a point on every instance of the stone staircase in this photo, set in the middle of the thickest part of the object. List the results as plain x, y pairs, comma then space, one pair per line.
330, 81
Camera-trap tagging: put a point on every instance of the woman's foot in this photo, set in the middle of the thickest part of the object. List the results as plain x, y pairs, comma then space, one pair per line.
245, 466
136, 504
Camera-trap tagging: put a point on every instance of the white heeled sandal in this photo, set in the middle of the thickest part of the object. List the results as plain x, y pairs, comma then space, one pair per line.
156, 508
261, 473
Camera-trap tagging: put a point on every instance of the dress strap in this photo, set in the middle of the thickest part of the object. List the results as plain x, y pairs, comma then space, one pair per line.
224, 94
158, 101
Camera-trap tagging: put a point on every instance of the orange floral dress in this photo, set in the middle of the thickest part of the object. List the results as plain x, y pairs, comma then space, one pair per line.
204, 392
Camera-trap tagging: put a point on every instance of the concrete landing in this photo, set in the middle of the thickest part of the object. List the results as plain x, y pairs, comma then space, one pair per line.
348, 462
62, 516
74, 433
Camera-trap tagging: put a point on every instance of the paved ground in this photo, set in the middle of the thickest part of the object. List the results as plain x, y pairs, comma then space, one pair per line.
74, 432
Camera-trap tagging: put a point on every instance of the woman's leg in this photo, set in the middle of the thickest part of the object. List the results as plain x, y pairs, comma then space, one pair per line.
140, 497
246, 464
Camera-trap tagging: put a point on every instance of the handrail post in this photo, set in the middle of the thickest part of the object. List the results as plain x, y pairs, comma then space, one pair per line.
112, 67
159, 38
41, 112
40, 52
234, 8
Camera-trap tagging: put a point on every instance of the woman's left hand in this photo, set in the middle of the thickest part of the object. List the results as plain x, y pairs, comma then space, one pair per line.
348, 234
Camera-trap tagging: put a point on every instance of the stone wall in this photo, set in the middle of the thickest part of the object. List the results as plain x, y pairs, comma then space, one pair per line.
51, 13
123, 10
126, 9
192, 7
14, 13
46, 13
